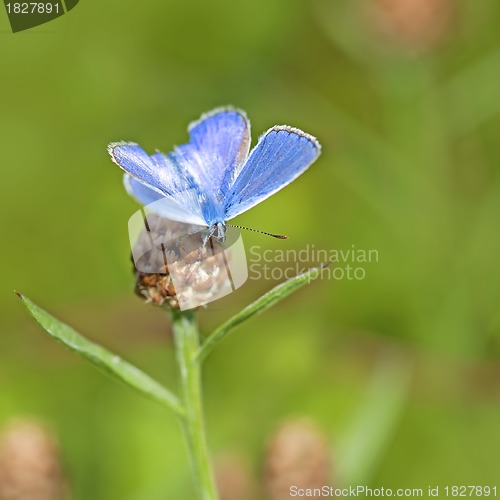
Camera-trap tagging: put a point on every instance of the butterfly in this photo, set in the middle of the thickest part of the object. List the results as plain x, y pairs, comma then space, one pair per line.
215, 176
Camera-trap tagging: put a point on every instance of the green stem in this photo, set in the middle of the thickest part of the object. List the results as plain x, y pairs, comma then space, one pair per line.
186, 339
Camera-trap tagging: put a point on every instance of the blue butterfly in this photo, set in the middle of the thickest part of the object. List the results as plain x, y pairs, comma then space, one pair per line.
214, 177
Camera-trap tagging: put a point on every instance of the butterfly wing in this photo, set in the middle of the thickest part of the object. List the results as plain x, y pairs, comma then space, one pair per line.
157, 177
280, 156
217, 149
139, 191
195, 176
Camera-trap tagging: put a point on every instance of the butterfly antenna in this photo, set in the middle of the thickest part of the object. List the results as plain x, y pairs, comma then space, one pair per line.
277, 236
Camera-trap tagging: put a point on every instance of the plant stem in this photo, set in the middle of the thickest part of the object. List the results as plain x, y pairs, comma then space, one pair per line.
186, 339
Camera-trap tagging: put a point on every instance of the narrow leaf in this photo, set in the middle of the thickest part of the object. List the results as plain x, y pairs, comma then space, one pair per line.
263, 303
472, 97
364, 444
112, 364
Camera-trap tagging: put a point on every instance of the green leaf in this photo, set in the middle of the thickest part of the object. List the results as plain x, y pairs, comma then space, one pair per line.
363, 446
263, 303
472, 97
111, 363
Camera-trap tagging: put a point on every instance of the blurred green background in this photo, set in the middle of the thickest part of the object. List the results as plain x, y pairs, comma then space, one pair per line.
400, 370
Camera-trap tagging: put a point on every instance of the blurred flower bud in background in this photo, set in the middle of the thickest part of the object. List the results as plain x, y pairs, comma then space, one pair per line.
418, 25
233, 477
298, 454
30, 464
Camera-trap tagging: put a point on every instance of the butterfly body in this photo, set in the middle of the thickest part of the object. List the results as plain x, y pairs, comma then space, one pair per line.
215, 176
218, 230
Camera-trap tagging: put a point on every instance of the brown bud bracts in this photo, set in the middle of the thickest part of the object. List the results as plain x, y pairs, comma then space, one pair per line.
30, 466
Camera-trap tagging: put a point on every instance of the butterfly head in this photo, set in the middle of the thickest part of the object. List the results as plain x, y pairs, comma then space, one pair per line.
219, 231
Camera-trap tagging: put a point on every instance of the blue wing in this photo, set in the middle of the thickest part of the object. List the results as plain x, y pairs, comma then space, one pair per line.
140, 191
155, 177
218, 147
280, 156
195, 177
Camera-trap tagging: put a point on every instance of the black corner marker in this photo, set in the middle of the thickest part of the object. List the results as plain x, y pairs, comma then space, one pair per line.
70, 4
25, 15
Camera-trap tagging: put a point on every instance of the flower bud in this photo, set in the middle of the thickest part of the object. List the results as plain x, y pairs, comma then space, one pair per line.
297, 455
30, 467
179, 266
418, 25
233, 478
